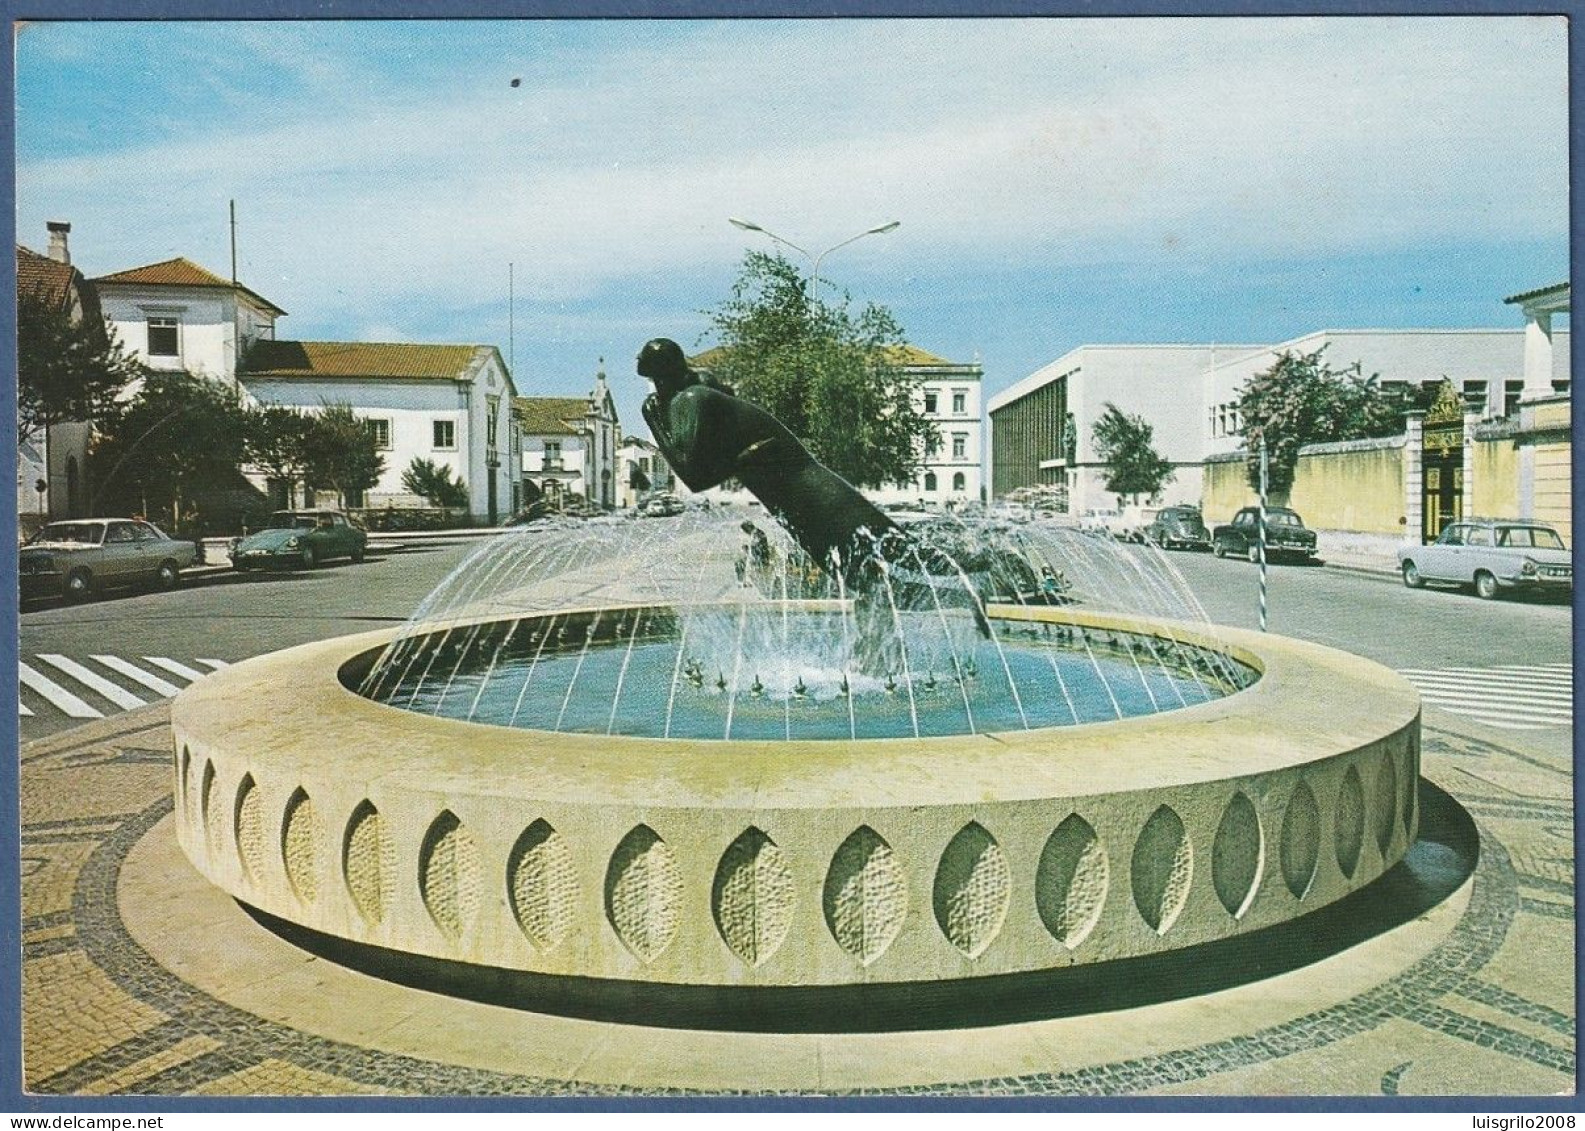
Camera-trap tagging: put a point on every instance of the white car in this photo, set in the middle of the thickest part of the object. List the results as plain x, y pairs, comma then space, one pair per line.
1492, 555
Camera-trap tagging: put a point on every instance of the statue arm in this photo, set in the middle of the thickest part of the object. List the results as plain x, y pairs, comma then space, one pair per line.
677, 434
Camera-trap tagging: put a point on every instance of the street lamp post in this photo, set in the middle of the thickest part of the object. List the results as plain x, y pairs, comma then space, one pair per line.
814, 260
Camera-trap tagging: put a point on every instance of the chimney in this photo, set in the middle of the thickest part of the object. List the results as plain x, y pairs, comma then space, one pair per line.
59, 230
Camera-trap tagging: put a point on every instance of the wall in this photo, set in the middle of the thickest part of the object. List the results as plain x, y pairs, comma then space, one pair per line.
410, 406
1494, 469
206, 340
1355, 486
1523, 467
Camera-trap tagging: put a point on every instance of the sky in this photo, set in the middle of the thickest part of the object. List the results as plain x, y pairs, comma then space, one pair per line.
1057, 182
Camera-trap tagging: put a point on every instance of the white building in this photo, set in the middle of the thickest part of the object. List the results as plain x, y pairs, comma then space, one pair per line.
641, 471
1487, 366
449, 404
177, 315
949, 396
1042, 428
569, 446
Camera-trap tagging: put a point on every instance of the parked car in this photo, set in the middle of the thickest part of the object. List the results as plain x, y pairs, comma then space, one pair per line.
1286, 535
75, 559
1179, 528
1099, 521
1492, 555
300, 538
661, 505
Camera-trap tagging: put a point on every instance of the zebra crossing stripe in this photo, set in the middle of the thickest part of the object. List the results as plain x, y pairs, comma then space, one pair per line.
1558, 686
216, 664
1498, 696
172, 666
133, 672
1468, 707
23, 707
1549, 672
94, 682
71, 705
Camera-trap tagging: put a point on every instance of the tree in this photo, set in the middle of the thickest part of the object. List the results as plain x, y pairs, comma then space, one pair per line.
1133, 466
66, 369
829, 374
434, 482
177, 437
278, 439
342, 453
1303, 400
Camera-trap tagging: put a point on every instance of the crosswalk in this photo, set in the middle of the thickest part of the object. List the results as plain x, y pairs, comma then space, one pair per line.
92, 687
1510, 697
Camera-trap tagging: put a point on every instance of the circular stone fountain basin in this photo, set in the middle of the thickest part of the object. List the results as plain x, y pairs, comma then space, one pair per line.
689, 863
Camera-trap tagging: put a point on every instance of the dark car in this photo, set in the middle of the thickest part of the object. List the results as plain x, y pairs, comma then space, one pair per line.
300, 538
74, 559
1286, 535
1179, 528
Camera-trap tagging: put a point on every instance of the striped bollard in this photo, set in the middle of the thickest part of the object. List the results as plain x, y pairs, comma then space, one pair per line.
1261, 533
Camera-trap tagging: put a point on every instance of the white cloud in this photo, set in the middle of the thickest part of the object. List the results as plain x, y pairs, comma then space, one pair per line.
1038, 141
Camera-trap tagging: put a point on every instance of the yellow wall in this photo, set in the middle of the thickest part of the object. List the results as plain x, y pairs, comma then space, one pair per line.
1495, 467
1357, 491
1553, 495
1360, 491
1223, 491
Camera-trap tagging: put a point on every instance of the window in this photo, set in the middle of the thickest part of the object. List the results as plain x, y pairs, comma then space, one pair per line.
1513, 393
960, 445
1479, 536
1560, 387
930, 481
933, 444
445, 434
1452, 536
164, 338
381, 431
957, 481
960, 402
121, 532
930, 404
552, 455
492, 410
1212, 422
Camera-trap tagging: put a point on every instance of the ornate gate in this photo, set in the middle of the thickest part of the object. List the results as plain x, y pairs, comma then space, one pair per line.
1442, 463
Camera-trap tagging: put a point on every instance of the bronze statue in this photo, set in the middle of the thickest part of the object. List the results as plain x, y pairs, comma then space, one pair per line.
709, 435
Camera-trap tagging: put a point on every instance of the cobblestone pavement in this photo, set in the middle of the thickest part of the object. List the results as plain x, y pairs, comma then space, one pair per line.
1488, 1008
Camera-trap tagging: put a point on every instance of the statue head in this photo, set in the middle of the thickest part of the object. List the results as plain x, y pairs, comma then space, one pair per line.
662, 361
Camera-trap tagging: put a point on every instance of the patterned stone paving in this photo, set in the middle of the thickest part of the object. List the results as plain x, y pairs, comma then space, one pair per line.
1489, 1010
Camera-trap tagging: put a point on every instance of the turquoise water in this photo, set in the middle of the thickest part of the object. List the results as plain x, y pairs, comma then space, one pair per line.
654, 688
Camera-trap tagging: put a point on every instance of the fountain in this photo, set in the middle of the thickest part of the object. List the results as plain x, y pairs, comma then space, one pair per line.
643, 768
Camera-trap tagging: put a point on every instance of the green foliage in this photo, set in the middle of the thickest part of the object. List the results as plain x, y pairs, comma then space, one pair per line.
1133, 466
1303, 400
278, 439
342, 453
66, 370
434, 482
172, 441
827, 373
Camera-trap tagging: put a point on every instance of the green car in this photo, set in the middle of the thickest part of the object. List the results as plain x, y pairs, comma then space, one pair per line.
300, 538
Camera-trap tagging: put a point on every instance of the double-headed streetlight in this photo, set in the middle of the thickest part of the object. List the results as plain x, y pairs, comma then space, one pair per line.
814, 260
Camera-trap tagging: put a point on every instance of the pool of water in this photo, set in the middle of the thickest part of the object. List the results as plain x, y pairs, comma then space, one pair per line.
658, 687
